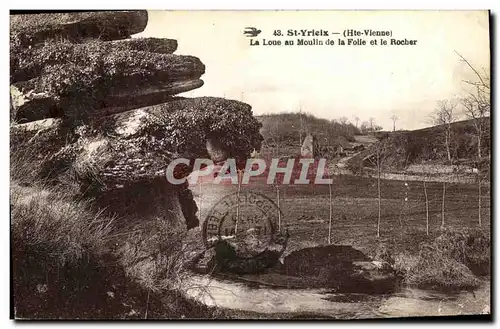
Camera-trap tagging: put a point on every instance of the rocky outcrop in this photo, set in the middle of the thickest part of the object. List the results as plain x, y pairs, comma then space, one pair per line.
310, 147
139, 144
107, 106
343, 268
96, 79
228, 256
27, 63
77, 26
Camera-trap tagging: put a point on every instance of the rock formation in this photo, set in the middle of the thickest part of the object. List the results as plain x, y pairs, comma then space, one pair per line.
310, 147
88, 100
343, 268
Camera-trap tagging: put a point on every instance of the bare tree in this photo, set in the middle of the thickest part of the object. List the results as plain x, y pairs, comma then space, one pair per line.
275, 138
301, 124
445, 115
379, 151
477, 107
331, 211
356, 119
343, 120
394, 118
372, 121
365, 126
239, 172
477, 103
278, 204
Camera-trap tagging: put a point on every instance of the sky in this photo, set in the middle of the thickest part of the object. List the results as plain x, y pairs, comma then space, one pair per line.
332, 81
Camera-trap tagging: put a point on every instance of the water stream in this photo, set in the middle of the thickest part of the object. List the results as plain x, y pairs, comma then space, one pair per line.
235, 295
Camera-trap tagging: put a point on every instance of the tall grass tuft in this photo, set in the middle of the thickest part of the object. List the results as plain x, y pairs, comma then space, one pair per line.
452, 261
57, 250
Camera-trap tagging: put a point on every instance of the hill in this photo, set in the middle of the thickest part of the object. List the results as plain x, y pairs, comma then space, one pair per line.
428, 144
285, 130
403, 148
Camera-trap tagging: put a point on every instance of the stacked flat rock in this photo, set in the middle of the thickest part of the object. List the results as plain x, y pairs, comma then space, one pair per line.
107, 104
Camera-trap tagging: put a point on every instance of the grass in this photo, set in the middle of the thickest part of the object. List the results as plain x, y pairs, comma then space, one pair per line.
93, 53
69, 262
57, 250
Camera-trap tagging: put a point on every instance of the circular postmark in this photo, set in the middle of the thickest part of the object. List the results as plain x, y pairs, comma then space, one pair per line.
246, 220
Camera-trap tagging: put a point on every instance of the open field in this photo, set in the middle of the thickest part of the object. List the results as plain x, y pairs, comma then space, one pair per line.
305, 210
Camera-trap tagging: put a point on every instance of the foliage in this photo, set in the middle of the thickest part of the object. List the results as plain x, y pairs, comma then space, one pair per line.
184, 125
285, 129
470, 247
356, 166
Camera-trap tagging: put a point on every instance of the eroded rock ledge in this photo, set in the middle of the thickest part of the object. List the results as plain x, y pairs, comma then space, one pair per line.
90, 102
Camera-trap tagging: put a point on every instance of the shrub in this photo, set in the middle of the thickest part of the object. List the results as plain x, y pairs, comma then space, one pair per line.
449, 262
470, 247
433, 270
356, 165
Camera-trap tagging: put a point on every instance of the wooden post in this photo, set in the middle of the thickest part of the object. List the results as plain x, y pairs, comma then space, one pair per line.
237, 205
201, 197
279, 210
442, 207
479, 195
426, 209
379, 196
331, 212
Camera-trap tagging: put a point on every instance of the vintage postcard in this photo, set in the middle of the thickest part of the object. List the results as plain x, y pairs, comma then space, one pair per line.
250, 164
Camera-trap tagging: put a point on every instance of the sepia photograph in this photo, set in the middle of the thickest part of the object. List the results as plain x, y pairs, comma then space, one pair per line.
236, 165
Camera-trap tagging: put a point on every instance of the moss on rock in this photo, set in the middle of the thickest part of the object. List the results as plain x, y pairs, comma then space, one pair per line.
77, 79
31, 29
29, 62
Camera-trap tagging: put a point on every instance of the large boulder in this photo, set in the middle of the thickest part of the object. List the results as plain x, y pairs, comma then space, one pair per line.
31, 29
310, 147
140, 144
227, 256
96, 79
29, 62
343, 268
73, 64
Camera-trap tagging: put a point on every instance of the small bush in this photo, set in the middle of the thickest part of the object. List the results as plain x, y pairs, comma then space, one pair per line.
449, 262
470, 247
356, 165
433, 270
